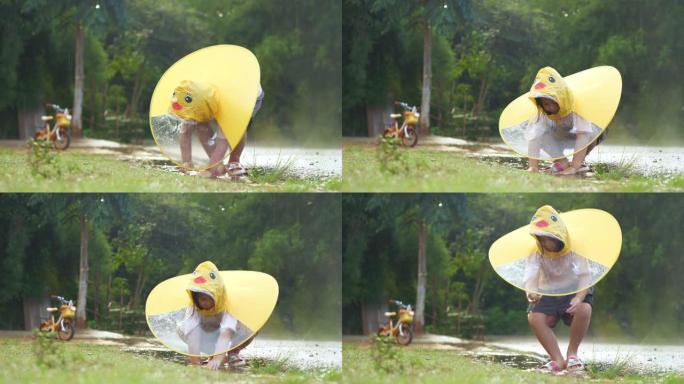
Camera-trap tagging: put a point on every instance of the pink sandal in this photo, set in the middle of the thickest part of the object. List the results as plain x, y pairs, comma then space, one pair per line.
575, 364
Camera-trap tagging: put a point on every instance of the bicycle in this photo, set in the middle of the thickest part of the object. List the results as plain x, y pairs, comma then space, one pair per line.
401, 331
407, 132
59, 132
64, 326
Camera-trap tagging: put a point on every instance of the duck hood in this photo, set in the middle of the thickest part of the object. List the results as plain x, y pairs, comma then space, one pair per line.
547, 222
207, 279
550, 84
194, 101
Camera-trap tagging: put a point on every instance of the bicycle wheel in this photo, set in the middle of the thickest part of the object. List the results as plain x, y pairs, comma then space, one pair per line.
62, 139
410, 137
405, 334
67, 333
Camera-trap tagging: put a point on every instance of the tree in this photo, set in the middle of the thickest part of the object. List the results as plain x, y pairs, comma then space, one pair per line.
85, 12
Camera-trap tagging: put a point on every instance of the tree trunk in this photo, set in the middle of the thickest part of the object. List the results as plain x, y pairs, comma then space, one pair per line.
132, 106
376, 117
83, 275
34, 310
446, 299
427, 79
96, 298
108, 298
422, 276
76, 123
140, 282
464, 117
29, 121
474, 307
433, 292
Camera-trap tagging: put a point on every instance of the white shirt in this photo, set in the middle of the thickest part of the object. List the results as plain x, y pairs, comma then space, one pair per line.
223, 321
556, 274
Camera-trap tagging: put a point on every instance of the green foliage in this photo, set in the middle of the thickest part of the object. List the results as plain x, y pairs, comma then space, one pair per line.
391, 155
386, 354
139, 240
482, 62
48, 350
43, 160
130, 44
438, 170
92, 363
463, 291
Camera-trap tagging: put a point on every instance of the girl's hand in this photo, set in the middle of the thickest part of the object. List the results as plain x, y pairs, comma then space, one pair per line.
533, 297
215, 362
574, 304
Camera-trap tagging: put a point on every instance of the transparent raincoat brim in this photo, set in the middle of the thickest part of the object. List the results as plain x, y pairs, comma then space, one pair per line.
596, 96
166, 131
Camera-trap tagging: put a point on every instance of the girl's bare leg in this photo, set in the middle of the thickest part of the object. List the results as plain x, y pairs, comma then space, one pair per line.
541, 325
578, 327
204, 133
219, 153
237, 151
185, 141
533, 165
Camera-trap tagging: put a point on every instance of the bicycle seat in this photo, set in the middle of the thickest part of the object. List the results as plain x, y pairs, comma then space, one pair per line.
390, 314
52, 309
395, 115
46, 118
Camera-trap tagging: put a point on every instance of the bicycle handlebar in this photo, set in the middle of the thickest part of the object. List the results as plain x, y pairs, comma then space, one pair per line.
398, 303
59, 298
56, 107
403, 105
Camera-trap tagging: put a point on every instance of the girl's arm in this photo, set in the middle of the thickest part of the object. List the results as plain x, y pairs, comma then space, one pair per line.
222, 344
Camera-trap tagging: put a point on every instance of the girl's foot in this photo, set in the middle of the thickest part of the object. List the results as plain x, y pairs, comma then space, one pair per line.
234, 361
236, 169
185, 167
575, 364
215, 172
569, 171
533, 169
551, 367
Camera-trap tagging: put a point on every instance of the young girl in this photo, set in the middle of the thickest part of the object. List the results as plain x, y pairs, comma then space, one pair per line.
556, 268
196, 104
207, 327
557, 127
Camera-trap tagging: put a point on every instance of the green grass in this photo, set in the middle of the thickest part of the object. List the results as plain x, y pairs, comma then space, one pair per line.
414, 364
87, 363
85, 172
423, 169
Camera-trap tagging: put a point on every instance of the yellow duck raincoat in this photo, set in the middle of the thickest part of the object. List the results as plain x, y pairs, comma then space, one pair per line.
218, 84
587, 100
247, 296
590, 245
206, 279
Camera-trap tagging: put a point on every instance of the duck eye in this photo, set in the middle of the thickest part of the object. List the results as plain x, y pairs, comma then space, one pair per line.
194, 273
552, 79
212, 275
188, 99
554, 218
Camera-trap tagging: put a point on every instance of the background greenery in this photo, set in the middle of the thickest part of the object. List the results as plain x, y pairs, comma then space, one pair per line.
485, 53
130, 43
139, 240
640, 298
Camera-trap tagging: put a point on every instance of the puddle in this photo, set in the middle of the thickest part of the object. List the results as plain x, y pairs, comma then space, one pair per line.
644, 358
524, 362
306, 355
298, 163
648, 161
